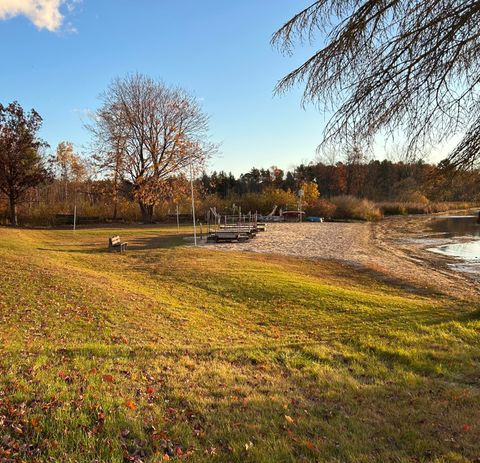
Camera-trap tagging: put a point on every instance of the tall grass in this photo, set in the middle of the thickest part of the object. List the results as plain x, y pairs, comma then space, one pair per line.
341, 207
350, 207
404, 208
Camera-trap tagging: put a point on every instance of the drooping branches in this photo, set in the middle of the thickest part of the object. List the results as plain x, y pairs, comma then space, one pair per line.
408, 67
467, 154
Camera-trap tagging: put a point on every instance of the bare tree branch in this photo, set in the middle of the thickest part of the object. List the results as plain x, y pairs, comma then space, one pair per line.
409, 67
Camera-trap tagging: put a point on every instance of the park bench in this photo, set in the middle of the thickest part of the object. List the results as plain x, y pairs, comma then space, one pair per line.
114, 243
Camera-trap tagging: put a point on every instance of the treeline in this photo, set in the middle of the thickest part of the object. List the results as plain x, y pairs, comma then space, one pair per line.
363, 191
375, 180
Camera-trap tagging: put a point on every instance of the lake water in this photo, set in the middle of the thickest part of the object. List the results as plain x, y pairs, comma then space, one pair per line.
460, 235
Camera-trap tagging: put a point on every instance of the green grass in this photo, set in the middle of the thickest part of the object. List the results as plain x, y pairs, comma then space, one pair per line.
173, 353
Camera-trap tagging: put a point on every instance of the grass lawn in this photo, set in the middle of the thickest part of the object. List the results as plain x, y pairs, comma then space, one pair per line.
170, 353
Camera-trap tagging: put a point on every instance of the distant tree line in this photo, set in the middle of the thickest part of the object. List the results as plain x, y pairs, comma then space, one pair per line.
376, 180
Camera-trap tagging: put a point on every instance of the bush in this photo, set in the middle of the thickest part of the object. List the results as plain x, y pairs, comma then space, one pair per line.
404, 208
393, 208
349, 207
417, 198
322, 208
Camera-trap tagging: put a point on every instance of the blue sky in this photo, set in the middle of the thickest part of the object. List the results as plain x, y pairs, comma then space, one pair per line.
217, 49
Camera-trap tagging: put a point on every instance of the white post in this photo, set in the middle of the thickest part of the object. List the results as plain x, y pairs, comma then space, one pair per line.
74, 218
193, 207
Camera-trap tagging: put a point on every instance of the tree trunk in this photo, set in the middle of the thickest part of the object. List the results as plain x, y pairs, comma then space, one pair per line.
115, 209
115, 195
147, 212
13, 211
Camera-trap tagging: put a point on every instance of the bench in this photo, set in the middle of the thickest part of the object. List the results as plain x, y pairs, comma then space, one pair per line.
114, 243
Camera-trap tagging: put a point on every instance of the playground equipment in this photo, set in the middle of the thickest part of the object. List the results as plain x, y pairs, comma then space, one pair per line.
272, 217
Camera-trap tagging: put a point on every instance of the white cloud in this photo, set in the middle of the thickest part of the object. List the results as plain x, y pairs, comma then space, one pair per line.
45, 14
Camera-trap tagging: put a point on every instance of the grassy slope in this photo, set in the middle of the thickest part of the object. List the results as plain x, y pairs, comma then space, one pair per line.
211, 356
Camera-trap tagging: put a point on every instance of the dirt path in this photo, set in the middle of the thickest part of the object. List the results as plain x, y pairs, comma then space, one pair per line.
391, 250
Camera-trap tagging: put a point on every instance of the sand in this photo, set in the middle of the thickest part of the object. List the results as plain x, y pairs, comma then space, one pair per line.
394, 250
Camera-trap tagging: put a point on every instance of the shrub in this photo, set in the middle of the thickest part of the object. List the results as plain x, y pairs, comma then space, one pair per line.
349, 207
404, 208
392, 208
322, 208
417, 198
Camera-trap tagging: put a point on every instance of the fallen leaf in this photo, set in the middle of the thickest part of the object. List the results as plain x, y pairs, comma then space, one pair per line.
288, 419
310, 445
107, 378
130, 404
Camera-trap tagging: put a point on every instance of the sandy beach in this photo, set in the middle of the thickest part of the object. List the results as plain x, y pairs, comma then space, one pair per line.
395, 249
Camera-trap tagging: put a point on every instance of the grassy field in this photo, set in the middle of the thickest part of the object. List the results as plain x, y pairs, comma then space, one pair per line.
170, 353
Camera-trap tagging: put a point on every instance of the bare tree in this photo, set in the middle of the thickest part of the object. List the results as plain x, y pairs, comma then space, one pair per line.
393, 66
150, 132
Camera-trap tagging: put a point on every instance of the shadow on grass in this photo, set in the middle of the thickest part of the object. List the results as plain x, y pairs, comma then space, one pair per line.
135, 244
291, 405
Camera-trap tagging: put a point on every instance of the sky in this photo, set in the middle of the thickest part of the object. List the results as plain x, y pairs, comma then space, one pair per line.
58, 56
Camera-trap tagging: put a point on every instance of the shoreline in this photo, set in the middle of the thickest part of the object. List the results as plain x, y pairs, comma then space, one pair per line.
391, 250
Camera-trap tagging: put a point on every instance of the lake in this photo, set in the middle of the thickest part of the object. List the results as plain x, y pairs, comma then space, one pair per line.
462, 233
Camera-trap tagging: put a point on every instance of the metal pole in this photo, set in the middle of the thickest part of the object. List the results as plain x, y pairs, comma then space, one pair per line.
193, 207
74, 218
